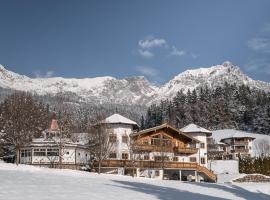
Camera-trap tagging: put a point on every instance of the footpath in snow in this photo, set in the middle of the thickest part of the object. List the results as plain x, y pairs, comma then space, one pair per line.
32, 183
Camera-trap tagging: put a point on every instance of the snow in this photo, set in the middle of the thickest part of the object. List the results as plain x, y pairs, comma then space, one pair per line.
232, 133
131, 90
224, 166
31, 183
119, 119
193, 128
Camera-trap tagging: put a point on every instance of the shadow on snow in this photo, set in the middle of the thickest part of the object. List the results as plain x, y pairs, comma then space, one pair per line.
161, 192
236, 190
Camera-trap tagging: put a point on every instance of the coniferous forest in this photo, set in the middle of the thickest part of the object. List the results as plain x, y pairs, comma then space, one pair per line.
230, 106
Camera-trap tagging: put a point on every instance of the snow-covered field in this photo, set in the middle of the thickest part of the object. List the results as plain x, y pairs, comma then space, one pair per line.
30, 183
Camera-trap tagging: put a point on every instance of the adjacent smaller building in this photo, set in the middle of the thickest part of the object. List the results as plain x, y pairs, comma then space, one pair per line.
239, 144
229, 144
51, 149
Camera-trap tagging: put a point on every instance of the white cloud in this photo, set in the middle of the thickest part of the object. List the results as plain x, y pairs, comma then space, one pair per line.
177, 52
260, 44
147, 71
39, 74
151, 42
147, 46
145, 53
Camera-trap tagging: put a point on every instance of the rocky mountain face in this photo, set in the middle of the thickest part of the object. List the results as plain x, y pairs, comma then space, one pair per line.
132, 90
211, 77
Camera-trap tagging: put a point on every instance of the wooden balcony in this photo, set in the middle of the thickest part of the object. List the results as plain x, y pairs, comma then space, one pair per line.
187, 150
154, 148
143, 164
240, 142
239, 151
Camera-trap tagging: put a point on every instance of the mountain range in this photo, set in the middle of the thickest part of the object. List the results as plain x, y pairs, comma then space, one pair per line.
135, 90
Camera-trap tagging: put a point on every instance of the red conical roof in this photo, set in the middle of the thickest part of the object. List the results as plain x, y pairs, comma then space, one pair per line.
54, 125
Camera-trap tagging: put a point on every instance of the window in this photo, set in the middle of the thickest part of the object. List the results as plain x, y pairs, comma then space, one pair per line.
67, 152
125, 139
39, 152
192, 145
79, 154
112, 155
175, 159
52, 152
145, 142
160, 158
159, 140
124, 156
25, 153
192, 159
112, 138
203, 160
202, 146
146, 157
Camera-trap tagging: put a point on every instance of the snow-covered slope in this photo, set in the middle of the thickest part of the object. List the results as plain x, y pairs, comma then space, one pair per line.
212, 77
30, 183
132, 90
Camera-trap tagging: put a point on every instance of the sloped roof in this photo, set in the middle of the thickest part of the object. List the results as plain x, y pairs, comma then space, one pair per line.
232, 133
118, 119
162, 127
193, 128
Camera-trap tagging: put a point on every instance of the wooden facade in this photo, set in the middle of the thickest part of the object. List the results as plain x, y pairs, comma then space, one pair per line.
164, 138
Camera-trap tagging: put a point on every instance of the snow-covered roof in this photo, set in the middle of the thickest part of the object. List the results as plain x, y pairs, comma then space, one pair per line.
232, 133
118, 119
193, 128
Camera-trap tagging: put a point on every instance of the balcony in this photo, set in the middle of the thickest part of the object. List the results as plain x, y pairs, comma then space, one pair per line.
154, 148
239, 151
157, 165
240, 142
186, 150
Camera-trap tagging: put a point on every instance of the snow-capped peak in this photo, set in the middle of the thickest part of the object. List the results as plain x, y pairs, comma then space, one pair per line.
130, 90
211, 77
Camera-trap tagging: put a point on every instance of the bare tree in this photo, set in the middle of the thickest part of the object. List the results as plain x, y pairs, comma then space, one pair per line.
135, 152
101, 145
22, 118
262, 148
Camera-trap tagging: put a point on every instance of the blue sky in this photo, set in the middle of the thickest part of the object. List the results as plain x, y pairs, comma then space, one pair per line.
158, 39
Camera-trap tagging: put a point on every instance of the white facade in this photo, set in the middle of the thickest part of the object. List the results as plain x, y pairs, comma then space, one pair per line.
44, 152
51, 149
201, 135
121, 127
121, 131
239, 145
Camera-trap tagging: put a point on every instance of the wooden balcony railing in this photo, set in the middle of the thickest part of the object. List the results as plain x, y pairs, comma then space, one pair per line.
154, 148
187, 150
240, 142
239, 151
158, 165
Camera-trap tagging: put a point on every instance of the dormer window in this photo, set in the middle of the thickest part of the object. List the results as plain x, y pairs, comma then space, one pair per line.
125, 139
112, 138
